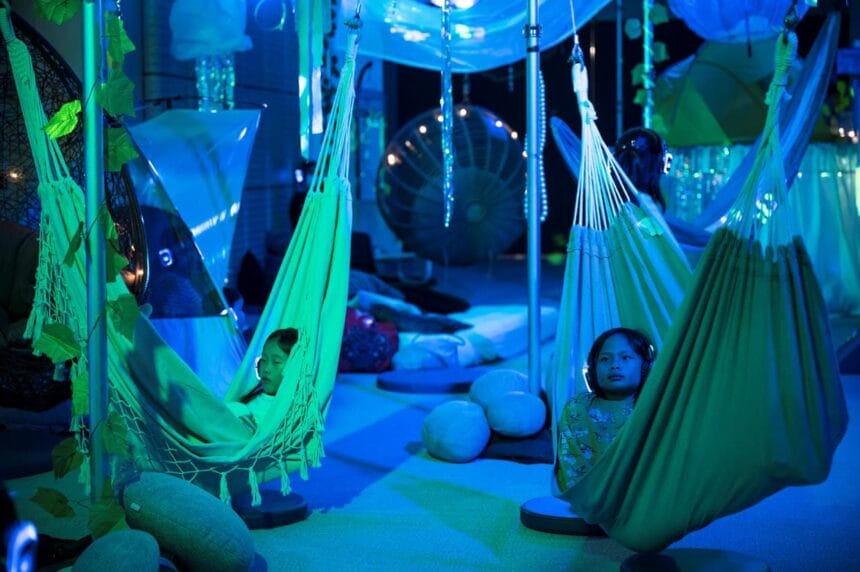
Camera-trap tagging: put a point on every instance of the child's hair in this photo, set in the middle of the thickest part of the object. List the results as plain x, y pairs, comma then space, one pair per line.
641, 345
286, 338
643, 155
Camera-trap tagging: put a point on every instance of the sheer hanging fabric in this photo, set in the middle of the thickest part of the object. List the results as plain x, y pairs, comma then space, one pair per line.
745, 397
176, 424
623, 266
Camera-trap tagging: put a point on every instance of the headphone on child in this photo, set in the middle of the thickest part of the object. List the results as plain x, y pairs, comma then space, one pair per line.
642, 141
19, 537
641, 344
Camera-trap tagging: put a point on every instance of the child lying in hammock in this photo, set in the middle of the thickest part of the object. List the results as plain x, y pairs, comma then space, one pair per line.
270, 372
618, 364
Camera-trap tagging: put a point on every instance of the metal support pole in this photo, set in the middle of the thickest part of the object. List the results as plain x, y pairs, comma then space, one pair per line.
532, 32
619, 68
93, 51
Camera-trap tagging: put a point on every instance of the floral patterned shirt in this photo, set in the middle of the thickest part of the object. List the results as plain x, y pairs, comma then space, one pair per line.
587, 426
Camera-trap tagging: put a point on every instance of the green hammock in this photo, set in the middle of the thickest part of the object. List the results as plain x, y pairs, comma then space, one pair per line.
623, 268
176, 424
745, 398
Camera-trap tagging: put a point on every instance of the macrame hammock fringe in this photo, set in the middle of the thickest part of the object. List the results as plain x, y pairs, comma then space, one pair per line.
623, 266
175, 424
745, 397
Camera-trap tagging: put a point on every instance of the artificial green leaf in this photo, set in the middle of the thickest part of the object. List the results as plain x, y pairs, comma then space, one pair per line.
53, 501
57, 11
57, 342
119, 148
108, 225
74, 245
633, 28
64, 120
118, 44
114, 261
116, 95
66, 457
659, 14
640, 97
81, 393
661, 54
124, 314
106, 516
114, 434
637, 74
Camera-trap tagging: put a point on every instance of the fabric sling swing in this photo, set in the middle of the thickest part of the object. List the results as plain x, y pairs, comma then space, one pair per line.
623, 266
177, 425
745, 397
796, 125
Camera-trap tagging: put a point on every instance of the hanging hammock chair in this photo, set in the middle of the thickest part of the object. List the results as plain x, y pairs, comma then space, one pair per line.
796, 125
623, 266
175, 424
745, 397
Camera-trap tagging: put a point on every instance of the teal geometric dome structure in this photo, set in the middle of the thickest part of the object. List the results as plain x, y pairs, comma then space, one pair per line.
489, 182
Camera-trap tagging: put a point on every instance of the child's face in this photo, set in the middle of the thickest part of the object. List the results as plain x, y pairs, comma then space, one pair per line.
619, 368
271, 367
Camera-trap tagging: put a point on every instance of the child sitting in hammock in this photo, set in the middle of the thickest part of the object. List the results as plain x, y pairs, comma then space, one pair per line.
618, 364
270, 371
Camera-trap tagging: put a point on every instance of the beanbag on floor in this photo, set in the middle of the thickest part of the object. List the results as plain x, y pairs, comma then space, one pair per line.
456, 431
196, 528
495, 384
121, 551
516, 414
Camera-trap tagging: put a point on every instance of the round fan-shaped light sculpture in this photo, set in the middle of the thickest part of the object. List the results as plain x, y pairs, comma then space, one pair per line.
489, 181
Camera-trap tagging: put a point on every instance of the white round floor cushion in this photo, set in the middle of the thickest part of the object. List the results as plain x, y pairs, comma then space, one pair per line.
195, 527
496, 383
120, 551
516, 414
456, 431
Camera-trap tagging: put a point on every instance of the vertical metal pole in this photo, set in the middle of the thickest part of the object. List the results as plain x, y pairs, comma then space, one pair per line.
95, 197
648, 62
532, 33
619, 68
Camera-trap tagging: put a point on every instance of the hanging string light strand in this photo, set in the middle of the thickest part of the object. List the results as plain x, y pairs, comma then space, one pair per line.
447, 116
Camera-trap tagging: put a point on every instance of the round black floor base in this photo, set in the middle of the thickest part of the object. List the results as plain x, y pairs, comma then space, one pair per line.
275, 510
549, 514
694, 560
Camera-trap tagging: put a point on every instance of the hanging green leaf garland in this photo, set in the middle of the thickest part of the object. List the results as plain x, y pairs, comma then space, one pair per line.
53, 501
119, 148
64, 120
66, 457
57, 11
116, 94
119, 43
58, 341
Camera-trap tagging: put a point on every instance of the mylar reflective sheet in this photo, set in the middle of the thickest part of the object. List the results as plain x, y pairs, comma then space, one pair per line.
201, 159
